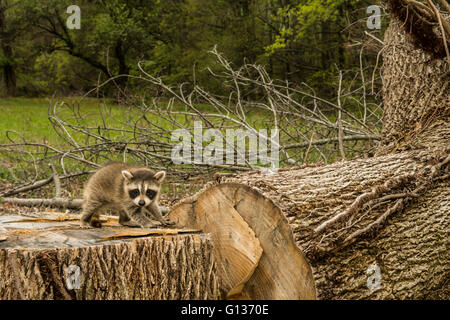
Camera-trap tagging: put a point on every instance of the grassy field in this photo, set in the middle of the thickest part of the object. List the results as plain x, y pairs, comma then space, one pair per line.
25, 116
28, 118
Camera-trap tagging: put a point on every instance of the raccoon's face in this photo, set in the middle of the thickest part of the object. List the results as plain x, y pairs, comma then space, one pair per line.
142, 187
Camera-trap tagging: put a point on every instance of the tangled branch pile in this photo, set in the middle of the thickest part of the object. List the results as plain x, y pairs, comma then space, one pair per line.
310, 128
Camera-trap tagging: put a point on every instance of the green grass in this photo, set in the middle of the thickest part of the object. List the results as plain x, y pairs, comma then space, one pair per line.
29, 118
26, 116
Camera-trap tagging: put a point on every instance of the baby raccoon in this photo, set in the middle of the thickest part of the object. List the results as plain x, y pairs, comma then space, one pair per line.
134, 191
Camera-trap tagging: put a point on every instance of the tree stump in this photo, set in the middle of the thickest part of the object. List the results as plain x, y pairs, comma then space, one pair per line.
281, 272
48, 258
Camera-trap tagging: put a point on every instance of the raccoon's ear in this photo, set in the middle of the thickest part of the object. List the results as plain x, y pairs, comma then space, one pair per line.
159, 176
127, 175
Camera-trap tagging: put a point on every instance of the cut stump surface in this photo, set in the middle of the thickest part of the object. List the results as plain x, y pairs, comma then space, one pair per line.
54, 258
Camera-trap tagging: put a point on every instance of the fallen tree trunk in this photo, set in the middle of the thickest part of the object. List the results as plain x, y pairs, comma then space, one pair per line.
373, 228
251, 216
236, 246
55, 259
396, 221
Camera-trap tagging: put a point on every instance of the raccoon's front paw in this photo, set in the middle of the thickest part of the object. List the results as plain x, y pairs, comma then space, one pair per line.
149, 225
85, 224
167, 222
91, 224
130, 223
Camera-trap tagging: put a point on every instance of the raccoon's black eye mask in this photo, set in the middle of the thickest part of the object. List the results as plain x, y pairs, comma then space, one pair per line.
150, 193
133, 193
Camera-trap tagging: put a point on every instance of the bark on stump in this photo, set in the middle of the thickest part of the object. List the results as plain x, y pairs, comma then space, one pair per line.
48, 259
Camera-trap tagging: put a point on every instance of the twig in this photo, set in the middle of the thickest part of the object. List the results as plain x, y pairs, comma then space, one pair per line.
339, 120
56, 180
443, 30
332, 140
360, 200
377, 223
305, 159
40, 183
373, 37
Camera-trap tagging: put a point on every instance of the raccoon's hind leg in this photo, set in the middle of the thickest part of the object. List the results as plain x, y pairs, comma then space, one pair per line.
125, 220
90, 214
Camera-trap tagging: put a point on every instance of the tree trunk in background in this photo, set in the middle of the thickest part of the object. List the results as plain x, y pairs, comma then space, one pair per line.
123, 67
416, 89
9, 74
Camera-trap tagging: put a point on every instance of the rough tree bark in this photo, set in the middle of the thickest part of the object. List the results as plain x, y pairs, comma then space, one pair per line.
416, 89
373, 228
410, 247
39, 258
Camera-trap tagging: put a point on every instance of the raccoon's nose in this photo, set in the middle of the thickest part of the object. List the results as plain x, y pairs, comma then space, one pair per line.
141, 203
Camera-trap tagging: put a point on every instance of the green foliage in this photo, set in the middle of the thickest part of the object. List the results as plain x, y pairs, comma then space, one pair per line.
298, 40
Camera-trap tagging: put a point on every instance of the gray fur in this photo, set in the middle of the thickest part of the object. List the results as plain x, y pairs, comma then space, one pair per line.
110, 187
